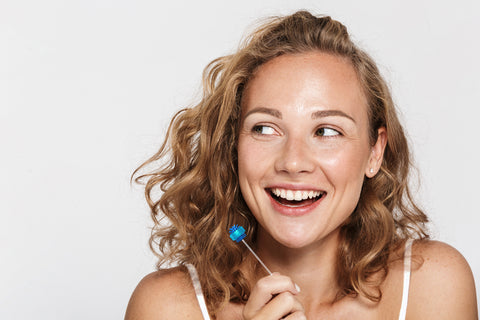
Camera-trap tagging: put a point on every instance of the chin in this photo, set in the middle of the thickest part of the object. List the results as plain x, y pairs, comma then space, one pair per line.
294, 240
295, 244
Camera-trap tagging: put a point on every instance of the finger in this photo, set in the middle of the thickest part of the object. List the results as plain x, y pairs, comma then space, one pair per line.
281, 306
266, 288
298, 315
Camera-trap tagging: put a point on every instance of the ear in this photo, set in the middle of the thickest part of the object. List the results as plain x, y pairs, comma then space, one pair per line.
376, 155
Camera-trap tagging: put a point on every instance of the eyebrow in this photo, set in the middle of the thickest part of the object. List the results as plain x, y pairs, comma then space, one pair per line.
315, 115
331, 113
272, 112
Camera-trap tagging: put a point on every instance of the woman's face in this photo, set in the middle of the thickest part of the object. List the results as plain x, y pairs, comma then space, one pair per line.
303, 148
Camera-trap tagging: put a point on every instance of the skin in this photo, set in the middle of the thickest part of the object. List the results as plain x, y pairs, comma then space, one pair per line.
304, 126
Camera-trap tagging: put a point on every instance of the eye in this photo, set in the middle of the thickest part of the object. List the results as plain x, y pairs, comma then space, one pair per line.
261, 129
326, 132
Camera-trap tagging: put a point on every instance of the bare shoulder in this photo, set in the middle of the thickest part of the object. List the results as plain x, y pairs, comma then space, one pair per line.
442, 285
164, 294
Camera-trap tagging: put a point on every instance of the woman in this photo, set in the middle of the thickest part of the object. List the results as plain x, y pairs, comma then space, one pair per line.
296, 139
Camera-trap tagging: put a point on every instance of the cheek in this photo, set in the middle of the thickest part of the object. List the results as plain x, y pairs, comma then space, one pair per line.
345, 163
250, 160
252, 167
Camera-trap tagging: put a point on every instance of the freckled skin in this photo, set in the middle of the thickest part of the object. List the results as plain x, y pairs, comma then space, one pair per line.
290, 150
280, 144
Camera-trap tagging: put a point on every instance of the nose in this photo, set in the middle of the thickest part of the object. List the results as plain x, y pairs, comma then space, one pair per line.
295, 157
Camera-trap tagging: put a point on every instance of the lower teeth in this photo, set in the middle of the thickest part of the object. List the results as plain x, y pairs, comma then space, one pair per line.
298, 204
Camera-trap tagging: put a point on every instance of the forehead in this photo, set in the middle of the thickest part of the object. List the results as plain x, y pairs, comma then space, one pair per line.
312, 79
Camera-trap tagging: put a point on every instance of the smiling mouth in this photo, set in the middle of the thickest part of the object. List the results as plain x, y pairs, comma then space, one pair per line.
295, 198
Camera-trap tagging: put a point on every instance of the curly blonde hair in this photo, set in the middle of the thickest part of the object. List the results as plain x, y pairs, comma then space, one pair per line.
196, 170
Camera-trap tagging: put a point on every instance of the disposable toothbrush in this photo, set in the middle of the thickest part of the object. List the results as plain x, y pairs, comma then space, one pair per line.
237, 234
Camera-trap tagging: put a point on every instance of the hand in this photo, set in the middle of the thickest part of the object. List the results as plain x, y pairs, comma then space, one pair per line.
273, 298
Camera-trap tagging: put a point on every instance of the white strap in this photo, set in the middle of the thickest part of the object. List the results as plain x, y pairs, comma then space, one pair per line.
198, 290
407, 261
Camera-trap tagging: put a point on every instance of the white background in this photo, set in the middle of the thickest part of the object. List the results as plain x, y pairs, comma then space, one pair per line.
86, 91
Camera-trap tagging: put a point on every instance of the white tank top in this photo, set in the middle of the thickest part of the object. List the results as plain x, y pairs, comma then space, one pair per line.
407, 260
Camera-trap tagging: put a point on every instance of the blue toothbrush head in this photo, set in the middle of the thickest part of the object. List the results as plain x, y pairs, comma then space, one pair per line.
237, 233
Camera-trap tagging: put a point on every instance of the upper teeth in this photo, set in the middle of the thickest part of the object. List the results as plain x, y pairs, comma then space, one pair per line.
296, 195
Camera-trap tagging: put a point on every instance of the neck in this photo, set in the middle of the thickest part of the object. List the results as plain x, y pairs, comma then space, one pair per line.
312, 268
